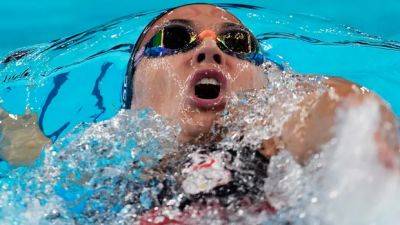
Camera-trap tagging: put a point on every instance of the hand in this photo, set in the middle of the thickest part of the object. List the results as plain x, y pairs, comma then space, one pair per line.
22, 140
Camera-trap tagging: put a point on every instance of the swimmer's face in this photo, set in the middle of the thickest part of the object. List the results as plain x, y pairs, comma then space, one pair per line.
191, 87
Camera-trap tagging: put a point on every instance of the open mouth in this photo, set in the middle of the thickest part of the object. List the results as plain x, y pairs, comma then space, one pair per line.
208, 88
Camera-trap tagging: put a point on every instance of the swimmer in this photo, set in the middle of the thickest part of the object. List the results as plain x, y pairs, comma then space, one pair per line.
191, 60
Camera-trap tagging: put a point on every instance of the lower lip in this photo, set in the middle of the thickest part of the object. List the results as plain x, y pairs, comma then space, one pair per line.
209, 104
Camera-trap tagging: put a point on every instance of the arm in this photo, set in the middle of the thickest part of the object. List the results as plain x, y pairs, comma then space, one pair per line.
311, 126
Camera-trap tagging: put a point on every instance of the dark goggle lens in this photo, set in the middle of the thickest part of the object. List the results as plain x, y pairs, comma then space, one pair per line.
176, 37
237, 41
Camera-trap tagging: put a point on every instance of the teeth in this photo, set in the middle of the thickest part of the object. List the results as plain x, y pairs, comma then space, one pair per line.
208, 81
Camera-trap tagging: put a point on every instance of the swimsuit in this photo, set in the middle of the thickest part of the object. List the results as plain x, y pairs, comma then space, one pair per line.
211, 180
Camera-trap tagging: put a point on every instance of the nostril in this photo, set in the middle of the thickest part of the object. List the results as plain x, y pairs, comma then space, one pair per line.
201, 57
217, 58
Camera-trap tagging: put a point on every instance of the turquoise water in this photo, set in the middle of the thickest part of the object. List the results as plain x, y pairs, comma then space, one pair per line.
24, 23
78, 79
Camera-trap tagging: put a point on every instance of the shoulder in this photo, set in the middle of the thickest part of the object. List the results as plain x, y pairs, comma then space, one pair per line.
344, 88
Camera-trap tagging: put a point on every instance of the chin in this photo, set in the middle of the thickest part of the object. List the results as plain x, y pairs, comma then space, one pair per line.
197, 126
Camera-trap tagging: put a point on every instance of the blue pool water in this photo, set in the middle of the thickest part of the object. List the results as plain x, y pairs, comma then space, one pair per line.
25, 23
78, 79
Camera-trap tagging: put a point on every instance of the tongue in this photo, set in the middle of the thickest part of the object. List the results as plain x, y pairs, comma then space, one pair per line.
207, 91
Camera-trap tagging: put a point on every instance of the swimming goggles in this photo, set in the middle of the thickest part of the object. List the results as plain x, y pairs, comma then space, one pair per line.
177, 38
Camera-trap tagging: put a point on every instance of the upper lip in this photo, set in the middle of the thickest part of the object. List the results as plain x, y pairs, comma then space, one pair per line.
209, 73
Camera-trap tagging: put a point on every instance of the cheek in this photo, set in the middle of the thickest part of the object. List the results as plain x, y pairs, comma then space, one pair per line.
157, 85
149, 82
247, 76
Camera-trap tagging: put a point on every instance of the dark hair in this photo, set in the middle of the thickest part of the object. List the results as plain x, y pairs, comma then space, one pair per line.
127, 91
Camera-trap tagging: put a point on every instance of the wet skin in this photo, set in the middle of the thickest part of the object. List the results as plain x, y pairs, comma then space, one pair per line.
166, 85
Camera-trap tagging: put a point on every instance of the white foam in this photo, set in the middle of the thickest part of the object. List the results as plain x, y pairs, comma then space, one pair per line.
345, 184
354, 187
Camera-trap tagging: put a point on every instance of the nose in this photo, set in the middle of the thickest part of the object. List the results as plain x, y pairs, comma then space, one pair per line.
208, 53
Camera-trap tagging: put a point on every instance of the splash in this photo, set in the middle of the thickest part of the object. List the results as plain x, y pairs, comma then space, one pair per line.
91, 175
344, 184
131, 170
354, 187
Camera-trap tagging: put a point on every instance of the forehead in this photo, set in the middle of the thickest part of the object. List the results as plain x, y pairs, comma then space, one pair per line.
202, 16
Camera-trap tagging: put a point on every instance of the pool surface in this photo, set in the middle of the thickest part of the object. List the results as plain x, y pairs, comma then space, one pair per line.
25, 23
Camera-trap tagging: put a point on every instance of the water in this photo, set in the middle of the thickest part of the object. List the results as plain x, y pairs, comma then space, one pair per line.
104, 172
23, 23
